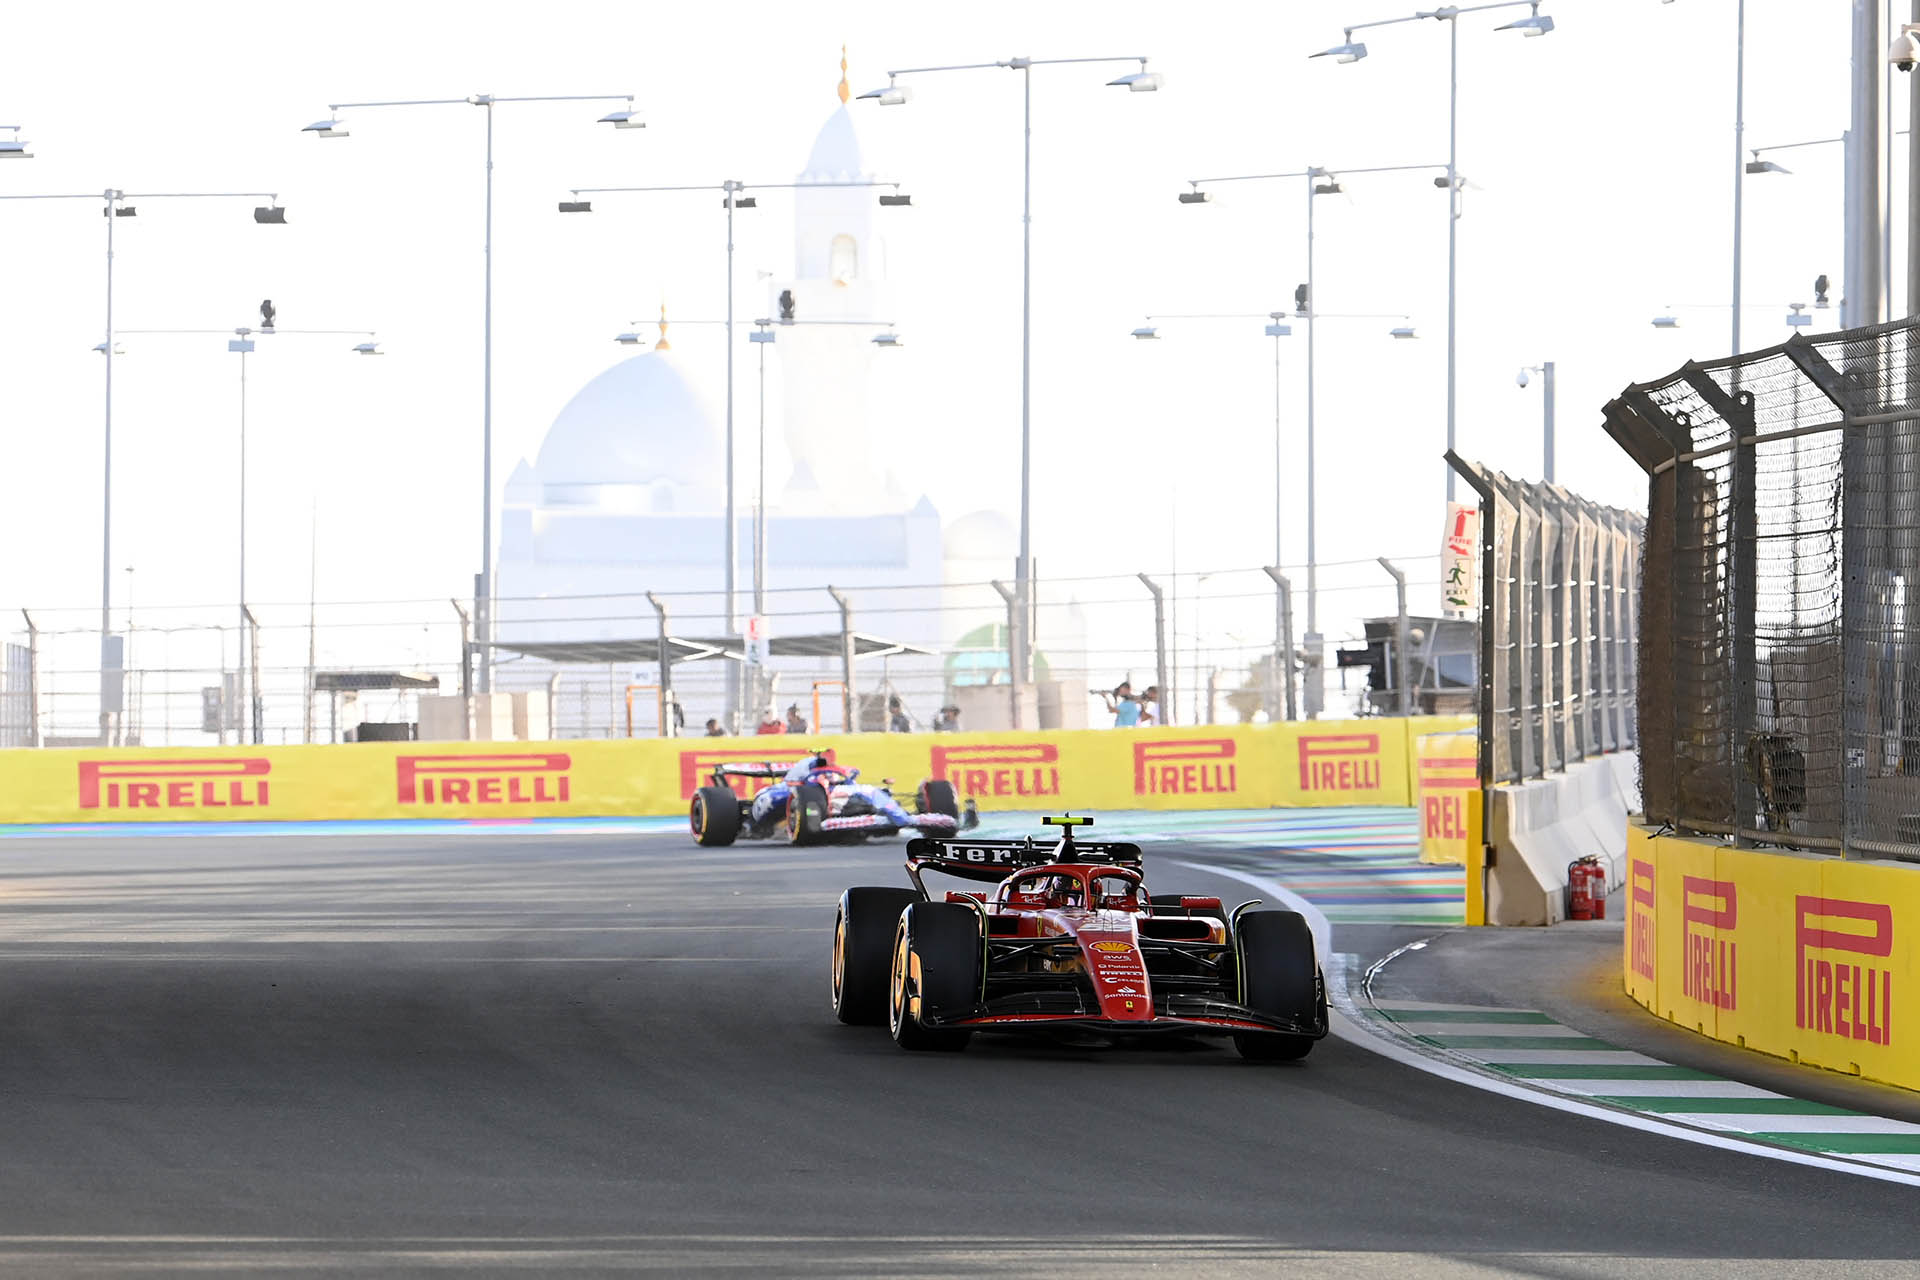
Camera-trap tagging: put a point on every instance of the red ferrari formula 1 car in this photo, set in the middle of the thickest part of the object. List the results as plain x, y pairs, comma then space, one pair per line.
1070, 944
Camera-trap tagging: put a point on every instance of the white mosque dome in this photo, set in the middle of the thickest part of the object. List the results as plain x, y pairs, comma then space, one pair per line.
636, 426
836, 151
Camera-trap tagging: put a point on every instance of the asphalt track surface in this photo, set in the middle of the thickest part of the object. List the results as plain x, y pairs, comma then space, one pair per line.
389, 1055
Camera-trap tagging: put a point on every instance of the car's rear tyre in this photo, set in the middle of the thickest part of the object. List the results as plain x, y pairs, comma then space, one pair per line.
714, 816
806, 810
937, 796
863, 933
1280, 977
937, 955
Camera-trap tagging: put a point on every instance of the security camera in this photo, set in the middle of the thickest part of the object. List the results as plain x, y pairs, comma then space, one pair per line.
1520, 378
1905, 50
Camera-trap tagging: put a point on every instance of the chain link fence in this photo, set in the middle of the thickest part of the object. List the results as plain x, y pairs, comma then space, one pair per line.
322, 672
1778, 624
1560, 581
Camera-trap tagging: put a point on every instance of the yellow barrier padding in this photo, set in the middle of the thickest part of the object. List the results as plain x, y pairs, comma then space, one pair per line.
1354, 762
1476, 879
1802, 957
1447, 767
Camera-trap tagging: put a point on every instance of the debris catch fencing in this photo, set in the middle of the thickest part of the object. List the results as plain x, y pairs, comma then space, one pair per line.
1559, 581
1780, 696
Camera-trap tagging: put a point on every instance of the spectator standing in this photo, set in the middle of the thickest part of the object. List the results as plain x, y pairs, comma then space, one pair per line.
1125, 707
1150, 699
897, 721
771, 723
714, 730
796, 723
949, 721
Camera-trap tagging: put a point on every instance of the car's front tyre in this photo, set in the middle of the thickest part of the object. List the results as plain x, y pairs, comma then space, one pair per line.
937, 955
1280, 977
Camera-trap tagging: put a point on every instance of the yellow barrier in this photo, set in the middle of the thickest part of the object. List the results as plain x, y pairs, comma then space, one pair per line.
1447, 768
1802, 957
1357, 762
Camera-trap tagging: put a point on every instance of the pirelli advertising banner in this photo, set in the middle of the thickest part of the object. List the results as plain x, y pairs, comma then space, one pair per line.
1798, 956
1359, 762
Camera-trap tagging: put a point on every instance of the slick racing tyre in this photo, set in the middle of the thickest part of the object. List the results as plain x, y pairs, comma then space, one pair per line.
806, 810
935, 971
863, 933
1280, 977
714, 816
937, 797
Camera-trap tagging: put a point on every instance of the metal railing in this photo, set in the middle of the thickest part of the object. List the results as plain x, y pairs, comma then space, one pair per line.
1558, 591
1779, 635
1211, 643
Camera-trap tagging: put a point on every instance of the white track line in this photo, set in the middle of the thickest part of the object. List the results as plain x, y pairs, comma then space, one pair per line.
1353, 1031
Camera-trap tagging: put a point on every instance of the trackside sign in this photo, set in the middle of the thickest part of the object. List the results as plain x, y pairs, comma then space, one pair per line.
473, 779
191, 783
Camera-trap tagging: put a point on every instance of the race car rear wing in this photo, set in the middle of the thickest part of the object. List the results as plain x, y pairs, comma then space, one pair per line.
753, 769
997, 859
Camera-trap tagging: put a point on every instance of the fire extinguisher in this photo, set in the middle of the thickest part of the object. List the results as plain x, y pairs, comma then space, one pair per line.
1586, 889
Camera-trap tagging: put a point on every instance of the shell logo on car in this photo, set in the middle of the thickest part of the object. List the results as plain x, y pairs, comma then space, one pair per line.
1113, 948
190, 783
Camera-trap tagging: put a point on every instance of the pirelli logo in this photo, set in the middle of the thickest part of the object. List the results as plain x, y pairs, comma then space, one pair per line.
1711, 960
236, 783
533, 778
1189, 767
1335, 762
1641, 904
1834, 992
1027, 769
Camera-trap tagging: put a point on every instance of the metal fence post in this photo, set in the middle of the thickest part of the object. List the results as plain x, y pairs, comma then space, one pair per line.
1283, 642
1011, 598
1402, 641
466, 668
33, 680
847, 700
255, 706
1488, 631
666, 665
1161, 711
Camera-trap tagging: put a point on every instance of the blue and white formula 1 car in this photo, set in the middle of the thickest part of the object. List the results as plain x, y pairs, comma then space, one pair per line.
814, 801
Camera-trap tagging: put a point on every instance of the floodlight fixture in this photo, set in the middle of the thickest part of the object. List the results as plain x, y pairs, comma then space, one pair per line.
101, 347
1404, 331
898, 200
894, 95
1146, 332
270, 214
1344, 52
761, 334
13, 148
242, 345
739, 202
1757, 165
1331, 187
1666, 322
328, 128
887, 340
1196, 196
122, 211
576, 206
1279, 328
368, 349
1141, 81
1535, 24
630, 339
628, 119
1797, 317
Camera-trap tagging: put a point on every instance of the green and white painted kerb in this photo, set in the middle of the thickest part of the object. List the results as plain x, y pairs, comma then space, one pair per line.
1532, 1049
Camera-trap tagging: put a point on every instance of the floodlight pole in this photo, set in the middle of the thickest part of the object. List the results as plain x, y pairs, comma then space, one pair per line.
1315, 681
730, 190
1020, 646
112, 201
483, 602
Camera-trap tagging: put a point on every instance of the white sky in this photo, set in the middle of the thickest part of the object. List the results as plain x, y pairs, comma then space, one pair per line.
1602, 154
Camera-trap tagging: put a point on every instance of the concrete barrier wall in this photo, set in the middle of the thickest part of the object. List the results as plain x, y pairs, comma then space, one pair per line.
1353, 762
1537, 828
1806, 958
